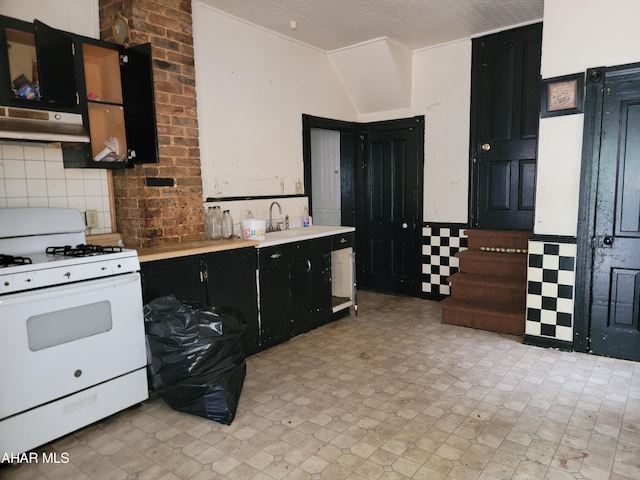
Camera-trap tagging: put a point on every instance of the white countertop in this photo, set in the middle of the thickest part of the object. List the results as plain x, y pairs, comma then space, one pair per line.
302, 233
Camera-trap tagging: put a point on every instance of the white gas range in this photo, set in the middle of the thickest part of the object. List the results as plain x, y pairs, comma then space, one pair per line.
72, 348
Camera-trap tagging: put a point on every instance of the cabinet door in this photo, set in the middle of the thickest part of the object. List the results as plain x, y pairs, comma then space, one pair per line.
276, 299
182, 277
231, 282
320, 278
56, 66
311, 284
139, 104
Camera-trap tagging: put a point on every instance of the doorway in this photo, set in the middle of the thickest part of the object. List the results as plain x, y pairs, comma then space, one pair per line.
608, 273
381, 191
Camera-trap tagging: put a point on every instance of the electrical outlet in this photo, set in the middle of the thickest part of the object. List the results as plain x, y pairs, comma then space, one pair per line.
92, 218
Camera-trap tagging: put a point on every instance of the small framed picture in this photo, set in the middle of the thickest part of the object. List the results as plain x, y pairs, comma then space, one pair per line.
562, 95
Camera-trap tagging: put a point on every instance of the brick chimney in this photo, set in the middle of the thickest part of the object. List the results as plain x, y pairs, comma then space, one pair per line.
151, 215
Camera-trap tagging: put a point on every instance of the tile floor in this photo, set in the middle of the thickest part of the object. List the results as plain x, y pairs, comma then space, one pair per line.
391, 394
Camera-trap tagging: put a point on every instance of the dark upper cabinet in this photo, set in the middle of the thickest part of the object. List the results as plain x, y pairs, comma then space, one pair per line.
111, 86
118, 105
37, 67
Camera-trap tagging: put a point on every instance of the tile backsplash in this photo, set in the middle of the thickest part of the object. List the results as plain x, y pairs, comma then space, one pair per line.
34, 176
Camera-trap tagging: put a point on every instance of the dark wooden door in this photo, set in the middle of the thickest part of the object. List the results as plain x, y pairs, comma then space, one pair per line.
390, 217
615, 307
504, 128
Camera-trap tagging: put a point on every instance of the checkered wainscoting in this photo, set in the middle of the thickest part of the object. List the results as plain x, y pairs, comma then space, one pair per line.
550, 290
439, 245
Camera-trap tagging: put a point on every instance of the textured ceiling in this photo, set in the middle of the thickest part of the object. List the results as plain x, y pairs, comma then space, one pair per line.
334, 24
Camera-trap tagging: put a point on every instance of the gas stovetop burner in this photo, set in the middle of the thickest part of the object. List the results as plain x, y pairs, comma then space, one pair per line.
83, 250
10, 260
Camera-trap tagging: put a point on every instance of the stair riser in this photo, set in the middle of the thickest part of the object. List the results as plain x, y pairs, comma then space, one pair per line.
499, 295
515, 270
483, 321
497, 238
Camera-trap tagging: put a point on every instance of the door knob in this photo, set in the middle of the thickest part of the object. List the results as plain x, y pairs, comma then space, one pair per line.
486, 147
404, 225
608, 241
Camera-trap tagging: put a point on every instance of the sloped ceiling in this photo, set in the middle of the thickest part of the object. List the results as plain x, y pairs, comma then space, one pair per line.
376, 75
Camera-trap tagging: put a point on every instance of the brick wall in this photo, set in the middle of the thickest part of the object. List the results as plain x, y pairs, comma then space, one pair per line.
151, 216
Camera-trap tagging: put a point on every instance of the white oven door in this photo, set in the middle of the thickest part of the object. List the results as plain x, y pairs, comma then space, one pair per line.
60, 340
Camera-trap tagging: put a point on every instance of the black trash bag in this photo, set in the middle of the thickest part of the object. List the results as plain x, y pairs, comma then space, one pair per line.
196, 361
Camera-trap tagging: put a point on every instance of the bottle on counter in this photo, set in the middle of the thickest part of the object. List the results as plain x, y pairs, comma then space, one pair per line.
305, 217
213, 223
227, 225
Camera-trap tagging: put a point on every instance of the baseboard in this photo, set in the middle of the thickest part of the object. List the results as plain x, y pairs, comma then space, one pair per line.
546, 342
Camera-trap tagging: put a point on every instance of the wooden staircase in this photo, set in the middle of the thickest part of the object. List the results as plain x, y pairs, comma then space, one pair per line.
489, 291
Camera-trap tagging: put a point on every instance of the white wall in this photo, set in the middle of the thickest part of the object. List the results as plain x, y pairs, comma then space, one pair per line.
577, 34
252, 88
77, 16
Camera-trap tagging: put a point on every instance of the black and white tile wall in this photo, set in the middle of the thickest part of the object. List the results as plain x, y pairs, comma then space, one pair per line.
550, 290
440, 243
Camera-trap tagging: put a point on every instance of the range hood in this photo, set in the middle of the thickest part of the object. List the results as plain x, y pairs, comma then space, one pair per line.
27, 125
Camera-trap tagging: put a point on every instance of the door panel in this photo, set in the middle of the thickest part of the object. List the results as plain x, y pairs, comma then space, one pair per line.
391, 221
526, 189
499, 185
505, 99
615, 329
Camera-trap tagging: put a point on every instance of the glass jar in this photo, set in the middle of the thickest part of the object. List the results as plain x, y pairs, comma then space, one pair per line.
208, 223
216, 224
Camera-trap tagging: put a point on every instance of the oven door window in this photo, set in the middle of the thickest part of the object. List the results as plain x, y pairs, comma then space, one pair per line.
64, 326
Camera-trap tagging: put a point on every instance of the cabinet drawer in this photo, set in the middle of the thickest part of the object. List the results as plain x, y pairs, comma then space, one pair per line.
276, 255
310, 248
343, 241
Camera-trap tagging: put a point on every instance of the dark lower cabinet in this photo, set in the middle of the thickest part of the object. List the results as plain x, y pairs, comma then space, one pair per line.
219, 279
231, 282
293, 294
181, 276
295, 289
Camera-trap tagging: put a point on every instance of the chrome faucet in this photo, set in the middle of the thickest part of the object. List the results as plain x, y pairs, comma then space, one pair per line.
270, 226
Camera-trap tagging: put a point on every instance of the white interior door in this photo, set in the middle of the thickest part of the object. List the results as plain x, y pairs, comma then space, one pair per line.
325, 176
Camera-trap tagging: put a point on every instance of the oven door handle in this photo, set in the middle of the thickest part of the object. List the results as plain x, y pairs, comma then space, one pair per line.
33, 296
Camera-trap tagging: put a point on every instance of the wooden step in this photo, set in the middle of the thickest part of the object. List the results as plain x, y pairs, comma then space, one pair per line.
500, 289
483, 315
494, 263
497, 238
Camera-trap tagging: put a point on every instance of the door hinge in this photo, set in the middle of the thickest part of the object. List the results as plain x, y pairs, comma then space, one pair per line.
204, 275
131, 154
124, 59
